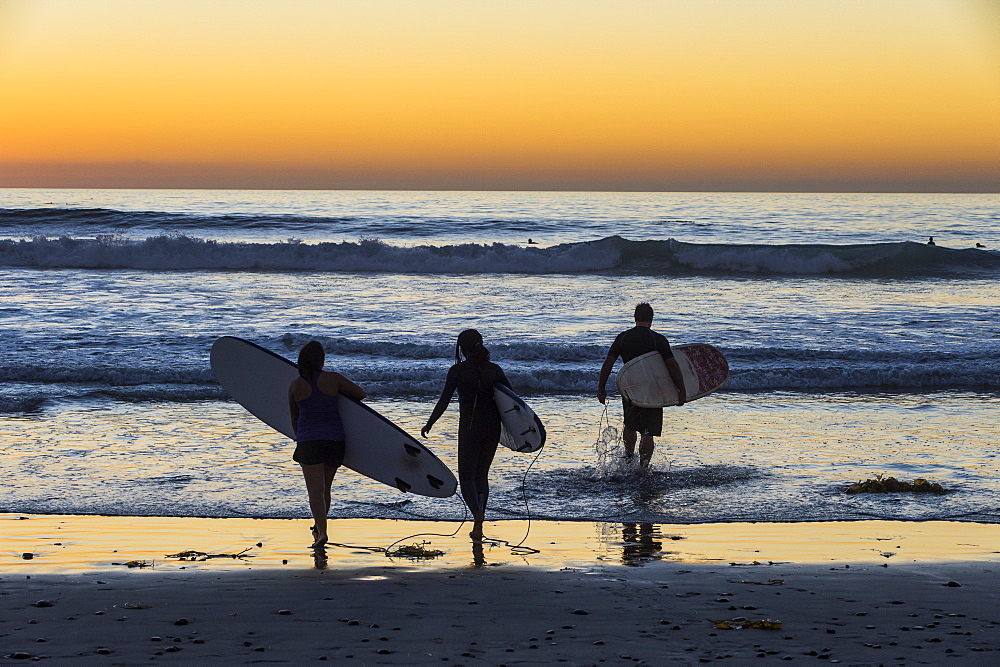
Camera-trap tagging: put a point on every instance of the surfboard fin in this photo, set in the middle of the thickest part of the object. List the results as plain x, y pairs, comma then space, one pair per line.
434, 481
410, 449
402, 486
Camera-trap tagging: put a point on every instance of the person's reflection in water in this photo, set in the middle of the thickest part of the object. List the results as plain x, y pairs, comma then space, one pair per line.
640, 543
478, 560
319, 557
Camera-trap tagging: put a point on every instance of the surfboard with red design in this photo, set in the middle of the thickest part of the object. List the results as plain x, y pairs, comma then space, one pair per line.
646, 382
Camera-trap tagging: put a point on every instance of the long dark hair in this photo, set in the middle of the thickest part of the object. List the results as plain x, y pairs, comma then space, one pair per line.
311, 358
470, 343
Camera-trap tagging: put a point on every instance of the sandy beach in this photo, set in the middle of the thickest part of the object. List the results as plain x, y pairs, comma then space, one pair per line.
854, 593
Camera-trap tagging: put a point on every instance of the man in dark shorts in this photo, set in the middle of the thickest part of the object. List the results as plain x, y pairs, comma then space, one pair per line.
630, 344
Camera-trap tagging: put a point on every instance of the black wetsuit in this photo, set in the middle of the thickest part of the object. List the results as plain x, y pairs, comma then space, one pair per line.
478, 426
628, 345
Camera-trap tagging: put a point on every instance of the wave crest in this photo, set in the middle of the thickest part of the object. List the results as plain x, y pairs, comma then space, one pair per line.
610, 255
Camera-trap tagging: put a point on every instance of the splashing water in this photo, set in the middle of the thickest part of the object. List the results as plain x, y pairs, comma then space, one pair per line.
612, 463
608, 442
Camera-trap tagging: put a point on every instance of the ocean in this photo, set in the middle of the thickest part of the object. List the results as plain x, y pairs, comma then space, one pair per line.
856, 349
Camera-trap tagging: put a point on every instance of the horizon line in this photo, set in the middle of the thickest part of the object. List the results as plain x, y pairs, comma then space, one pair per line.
538, 190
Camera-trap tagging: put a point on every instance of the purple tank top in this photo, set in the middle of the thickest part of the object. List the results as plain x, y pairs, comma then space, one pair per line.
319, 418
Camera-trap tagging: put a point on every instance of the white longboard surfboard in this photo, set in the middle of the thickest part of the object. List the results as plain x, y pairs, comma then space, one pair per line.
258, 379
520, 428
646, 382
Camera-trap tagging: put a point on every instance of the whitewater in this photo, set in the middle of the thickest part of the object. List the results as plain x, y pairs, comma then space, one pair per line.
856, 348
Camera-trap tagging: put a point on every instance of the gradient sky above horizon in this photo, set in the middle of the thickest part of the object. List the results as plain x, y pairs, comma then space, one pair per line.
845, 95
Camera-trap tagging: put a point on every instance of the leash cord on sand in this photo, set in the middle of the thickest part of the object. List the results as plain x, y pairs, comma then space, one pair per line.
387, 551
465, 505
519, 548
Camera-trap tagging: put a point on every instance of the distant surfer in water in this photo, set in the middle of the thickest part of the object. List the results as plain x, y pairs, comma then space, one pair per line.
930, 240
630, 344
319, 432
478, 422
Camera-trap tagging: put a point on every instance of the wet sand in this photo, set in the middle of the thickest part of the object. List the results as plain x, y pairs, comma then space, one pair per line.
854, 592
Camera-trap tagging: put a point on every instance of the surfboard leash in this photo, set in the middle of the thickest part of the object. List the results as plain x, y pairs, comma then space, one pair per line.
387, 551
519, 548
603, 425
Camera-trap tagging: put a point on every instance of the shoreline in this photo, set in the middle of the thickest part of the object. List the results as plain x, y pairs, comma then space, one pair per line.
595, 593
63, 544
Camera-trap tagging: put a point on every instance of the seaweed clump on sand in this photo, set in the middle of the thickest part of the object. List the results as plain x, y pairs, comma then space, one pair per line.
194, 555
892, 485
415, 551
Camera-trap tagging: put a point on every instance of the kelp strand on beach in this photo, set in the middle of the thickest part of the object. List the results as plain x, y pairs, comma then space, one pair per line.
195, 555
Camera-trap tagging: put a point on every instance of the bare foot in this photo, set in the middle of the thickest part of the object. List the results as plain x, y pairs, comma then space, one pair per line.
477, 528
320, 541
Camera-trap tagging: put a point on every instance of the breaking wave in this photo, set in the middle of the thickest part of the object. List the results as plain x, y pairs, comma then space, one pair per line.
612, 255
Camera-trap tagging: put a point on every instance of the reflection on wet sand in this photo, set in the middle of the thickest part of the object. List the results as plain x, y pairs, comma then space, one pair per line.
641, 543
64, 544
478, 559
320, 559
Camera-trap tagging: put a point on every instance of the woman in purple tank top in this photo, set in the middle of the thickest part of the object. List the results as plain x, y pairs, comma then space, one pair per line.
319, 433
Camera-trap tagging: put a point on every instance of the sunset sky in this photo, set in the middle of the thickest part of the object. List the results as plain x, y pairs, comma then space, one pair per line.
771, 95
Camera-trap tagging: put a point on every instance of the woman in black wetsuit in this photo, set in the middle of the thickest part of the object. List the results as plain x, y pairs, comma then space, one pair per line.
478, 423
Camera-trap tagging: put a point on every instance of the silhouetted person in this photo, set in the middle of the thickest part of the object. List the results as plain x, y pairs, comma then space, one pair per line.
930, 240
478, 420
319, 432
629, 344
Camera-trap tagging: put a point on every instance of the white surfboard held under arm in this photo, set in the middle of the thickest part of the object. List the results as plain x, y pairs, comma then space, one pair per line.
646, 382
520, 428
375, 447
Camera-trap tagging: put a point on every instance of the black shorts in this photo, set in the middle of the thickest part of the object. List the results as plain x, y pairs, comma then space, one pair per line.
311, 452
644, 421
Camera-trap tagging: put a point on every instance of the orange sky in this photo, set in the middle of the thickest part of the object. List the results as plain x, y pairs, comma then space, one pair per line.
849, 95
